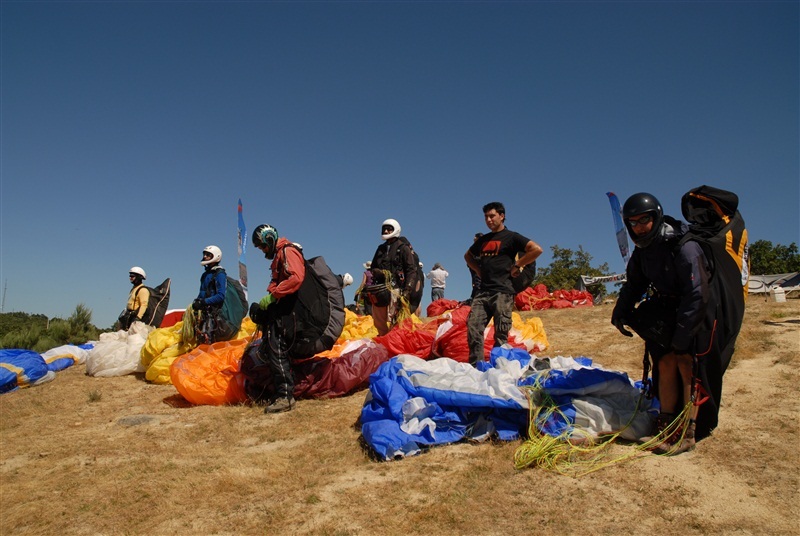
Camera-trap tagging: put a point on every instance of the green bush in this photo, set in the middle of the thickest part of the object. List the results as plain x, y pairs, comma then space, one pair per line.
17, 321
34, 332
25, 337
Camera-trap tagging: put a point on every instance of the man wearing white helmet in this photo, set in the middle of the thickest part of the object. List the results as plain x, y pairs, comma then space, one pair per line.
213, 285
137, 299
396, 257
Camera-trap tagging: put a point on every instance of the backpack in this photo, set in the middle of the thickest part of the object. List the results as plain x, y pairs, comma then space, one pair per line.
397, 268
156, 307
233, 310
157, 304
311, 319
716, 224
525, 278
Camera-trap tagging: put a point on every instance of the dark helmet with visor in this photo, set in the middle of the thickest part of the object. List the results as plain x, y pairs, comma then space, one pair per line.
643, 203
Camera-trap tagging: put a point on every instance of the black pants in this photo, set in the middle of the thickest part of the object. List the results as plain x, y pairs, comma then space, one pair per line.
273, 350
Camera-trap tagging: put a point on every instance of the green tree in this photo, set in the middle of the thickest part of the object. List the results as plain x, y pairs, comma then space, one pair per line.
35, 332
18, 321
768, 259
566, 269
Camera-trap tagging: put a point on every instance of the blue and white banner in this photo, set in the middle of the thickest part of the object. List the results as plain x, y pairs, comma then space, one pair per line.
619, 227
241, 248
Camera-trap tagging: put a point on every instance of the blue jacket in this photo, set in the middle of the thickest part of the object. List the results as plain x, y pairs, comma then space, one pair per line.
213, 284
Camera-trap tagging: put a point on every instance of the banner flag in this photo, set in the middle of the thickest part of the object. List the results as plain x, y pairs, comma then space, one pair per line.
619, 227
242, 248
589, 280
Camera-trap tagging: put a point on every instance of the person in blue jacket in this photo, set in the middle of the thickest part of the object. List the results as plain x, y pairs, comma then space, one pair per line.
674, 276
213, 284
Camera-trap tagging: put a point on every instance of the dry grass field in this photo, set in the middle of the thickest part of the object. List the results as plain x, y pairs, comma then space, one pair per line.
107, 456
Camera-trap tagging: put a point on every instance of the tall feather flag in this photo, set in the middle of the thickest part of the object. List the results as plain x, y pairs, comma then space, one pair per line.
241, 248
619, 227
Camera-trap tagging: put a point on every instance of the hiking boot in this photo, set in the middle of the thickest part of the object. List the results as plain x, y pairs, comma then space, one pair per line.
665, 434
280, 405
686, 444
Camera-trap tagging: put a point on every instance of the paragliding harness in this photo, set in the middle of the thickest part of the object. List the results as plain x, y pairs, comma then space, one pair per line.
718, 227
156, 307
221, 323
654, 321
312, 318
384, 282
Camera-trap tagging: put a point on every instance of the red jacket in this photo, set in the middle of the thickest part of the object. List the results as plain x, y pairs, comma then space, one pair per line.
288, 270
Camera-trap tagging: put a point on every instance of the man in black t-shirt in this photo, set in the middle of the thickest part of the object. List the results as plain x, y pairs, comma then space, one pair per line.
493, 257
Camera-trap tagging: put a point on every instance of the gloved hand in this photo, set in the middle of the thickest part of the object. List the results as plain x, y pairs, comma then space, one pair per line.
619, 323
255, 311
266, 300
198, 304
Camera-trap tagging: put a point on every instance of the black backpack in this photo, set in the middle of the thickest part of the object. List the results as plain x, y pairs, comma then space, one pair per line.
157, 306
397, 268
525, 278
311, 319
716, 224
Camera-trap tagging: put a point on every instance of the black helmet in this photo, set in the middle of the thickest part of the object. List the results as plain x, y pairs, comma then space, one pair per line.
639, 204
266, 237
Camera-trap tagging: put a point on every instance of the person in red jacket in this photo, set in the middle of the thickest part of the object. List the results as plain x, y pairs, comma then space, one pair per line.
288, 273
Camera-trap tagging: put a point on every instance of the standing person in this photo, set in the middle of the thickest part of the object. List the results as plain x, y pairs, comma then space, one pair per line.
677, 276
138, 298
363, 305
274, 313
415, 302
213, 286
394, 276
492, 256
437, 275
475, 277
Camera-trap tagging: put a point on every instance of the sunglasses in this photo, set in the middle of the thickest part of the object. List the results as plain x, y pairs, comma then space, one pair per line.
644, 220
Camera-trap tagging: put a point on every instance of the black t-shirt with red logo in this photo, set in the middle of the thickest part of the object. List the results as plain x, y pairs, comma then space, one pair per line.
496, 254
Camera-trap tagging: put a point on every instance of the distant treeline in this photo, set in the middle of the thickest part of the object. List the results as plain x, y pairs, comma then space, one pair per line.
778, 259
38, 333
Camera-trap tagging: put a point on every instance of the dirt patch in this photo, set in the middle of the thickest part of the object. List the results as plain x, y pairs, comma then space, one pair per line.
83, 455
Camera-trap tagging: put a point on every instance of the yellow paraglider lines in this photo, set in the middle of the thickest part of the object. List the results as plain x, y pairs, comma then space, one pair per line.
575, 451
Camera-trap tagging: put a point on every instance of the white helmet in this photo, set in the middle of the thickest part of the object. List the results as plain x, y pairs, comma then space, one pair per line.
387, 233
347, 279
216, 255
138, 271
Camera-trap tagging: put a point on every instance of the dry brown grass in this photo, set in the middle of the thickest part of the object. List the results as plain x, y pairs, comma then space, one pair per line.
84, 455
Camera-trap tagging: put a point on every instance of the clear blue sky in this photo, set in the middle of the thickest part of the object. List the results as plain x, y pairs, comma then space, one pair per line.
131, 129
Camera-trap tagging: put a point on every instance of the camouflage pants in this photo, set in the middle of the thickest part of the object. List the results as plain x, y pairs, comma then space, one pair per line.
486, 306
